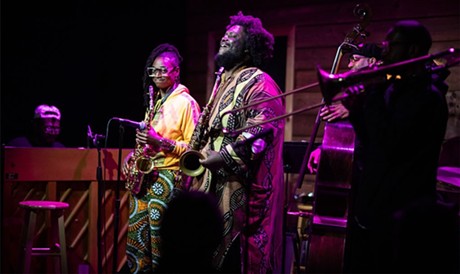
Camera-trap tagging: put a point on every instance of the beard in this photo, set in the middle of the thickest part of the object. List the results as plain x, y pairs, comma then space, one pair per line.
229, 59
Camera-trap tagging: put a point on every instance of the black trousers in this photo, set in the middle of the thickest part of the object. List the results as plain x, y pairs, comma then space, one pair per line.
232, 262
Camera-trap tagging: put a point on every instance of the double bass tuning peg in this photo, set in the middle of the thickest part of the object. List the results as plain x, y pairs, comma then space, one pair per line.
364, 34
362, 11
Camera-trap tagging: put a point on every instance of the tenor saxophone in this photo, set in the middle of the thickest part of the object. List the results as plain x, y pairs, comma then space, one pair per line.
189, 161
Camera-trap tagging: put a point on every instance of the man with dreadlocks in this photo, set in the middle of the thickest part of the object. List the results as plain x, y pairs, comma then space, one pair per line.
245, 170
171, 117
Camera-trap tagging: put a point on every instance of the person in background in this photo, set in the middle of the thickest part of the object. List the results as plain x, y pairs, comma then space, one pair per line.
400, 121
191, 230
152, 169
364, 56
45, 129
245, 169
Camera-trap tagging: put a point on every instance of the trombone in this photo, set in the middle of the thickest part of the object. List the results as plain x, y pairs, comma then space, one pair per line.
331, 84
228, 112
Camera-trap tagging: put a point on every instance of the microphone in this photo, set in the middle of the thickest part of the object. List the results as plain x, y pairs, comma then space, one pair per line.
89, 133
263, 133
129, 123
96, 139
89, 136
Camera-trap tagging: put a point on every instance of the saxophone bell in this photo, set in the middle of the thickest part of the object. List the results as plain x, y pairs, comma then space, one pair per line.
141, 165
144, 164
190, 163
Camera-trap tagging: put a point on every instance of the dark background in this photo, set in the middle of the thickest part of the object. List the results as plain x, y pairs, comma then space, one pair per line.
85, 57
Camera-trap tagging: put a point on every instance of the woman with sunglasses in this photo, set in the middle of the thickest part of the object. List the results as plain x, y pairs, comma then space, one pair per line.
152, 169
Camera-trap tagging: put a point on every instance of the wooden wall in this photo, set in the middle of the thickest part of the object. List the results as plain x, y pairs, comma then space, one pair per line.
67, 175
317, 28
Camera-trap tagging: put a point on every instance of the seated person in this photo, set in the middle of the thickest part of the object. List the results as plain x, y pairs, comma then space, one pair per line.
44, 131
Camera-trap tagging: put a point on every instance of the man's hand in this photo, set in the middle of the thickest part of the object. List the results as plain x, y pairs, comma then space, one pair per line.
213, 161
354, 98
333, 112
313, 160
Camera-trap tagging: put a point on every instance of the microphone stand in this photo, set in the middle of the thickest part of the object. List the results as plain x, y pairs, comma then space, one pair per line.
121, 131
94, 140
99, 205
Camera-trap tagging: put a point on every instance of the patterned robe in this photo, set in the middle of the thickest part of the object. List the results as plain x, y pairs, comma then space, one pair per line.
250, 186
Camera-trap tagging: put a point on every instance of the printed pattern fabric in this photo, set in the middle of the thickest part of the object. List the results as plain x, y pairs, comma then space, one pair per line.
253, 172
174, 119
145, 215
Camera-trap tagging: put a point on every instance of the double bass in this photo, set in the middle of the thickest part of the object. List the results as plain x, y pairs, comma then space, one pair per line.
328, 223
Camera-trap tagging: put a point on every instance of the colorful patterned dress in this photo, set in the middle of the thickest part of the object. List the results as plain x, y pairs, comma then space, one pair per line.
175, 118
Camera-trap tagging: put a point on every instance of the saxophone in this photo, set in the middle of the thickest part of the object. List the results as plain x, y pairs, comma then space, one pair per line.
141, 163
189, 161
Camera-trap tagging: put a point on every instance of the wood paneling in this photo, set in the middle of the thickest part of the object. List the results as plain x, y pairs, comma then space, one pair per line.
320, 27
67, 175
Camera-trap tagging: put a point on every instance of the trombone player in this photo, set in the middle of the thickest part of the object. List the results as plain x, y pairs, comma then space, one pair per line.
245, 170
400, 121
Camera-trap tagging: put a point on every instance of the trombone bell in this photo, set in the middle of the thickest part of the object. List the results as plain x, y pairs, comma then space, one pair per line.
330, 84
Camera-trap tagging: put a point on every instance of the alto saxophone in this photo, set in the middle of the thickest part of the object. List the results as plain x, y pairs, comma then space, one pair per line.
189, 161
141, 163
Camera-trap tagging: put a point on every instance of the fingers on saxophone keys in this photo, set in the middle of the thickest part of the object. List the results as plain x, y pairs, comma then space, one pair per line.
124, 170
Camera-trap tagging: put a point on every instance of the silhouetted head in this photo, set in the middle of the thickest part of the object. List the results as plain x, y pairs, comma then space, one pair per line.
407, 39
190, 233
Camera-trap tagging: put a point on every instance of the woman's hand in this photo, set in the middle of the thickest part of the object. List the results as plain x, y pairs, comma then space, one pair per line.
148, 137
127, 163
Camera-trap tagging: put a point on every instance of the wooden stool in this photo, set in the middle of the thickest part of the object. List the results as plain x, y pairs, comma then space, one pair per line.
28, 233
